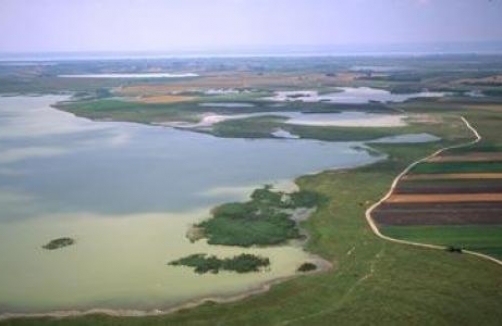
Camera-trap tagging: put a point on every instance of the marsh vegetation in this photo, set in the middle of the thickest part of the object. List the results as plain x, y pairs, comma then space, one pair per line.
59, 243
264, 220
243, 263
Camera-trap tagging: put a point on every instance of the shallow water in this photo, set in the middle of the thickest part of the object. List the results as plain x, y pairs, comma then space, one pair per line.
350, 95
143, 75
127, 193
341, 119
345, 119
227, 105
408, 139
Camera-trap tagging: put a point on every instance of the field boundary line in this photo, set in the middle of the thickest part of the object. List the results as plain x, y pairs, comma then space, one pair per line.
396, 180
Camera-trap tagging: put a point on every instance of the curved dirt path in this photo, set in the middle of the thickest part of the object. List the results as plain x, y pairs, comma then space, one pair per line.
373, 225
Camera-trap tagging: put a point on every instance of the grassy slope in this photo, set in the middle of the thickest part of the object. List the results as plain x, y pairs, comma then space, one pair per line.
374, 281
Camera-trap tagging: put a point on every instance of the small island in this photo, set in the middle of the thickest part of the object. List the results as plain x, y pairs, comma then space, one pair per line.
59, 243
202, 263
267, 219
307, 267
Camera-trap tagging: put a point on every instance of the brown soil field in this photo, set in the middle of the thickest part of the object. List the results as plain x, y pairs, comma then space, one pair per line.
438, 218
449, 176
468, 157
238, 80
165, 99
445, 198
438, 213
443, 207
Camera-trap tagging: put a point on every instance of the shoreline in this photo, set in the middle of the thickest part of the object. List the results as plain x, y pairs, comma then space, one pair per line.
323, 266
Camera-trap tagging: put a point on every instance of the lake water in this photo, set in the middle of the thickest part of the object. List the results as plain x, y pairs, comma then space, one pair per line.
128, 193
141, 75
340, 119
227, 105
350, 95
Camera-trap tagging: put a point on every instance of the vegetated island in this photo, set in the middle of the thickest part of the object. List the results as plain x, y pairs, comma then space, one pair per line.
267, 219
307, 267
59, 243
202, 263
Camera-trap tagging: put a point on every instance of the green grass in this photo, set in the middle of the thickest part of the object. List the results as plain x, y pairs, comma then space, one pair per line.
262, 127
484, 239
114, 109
255, 127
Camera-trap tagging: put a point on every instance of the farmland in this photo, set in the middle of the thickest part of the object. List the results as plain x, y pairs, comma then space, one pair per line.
454, 198
484, 239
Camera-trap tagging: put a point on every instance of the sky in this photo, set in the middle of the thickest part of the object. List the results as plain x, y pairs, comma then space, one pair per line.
186, 25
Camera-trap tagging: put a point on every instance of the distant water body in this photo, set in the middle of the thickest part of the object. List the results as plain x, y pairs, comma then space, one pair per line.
145, 75
400, 49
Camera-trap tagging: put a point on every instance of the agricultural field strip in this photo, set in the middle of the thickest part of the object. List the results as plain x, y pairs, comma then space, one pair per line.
453, 176
445, 198
369, 211
468, 157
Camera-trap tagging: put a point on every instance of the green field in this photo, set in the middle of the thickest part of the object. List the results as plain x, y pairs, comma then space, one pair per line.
458, 167
484, 239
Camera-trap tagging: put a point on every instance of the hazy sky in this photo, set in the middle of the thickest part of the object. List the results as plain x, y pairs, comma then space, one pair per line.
174, 25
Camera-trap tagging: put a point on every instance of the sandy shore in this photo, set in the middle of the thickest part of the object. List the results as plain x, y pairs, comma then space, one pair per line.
371, 121
295, 118
322, 264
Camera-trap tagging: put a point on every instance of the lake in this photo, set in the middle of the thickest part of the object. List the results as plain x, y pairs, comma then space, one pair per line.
350, 95
128, 193
138, 75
